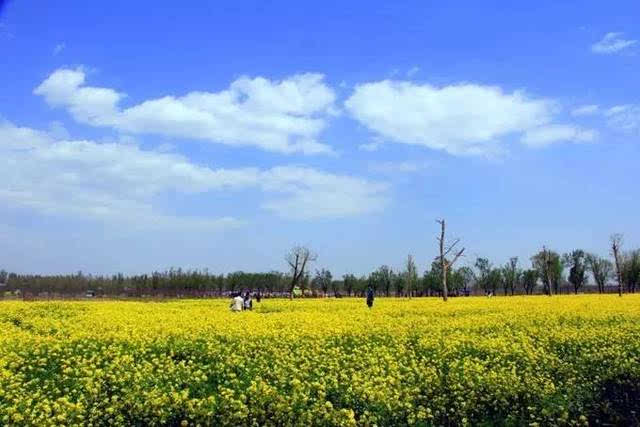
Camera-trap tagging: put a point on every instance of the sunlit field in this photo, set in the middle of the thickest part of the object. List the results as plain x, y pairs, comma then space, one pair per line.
562, 360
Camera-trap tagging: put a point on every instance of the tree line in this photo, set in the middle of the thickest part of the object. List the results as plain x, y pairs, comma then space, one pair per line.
549, 273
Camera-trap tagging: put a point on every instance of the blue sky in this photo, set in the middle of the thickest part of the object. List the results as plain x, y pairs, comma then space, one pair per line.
143, 135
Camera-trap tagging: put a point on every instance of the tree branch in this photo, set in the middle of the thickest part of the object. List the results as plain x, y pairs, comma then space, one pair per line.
451, 247
458, 255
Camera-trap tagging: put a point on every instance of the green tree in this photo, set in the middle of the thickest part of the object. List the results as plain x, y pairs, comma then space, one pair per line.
577, 268
336, 285
510, 275
494, 280
411, 275
432, 279
385, 279
484, 267
430, 282
350, 282
529, 281
463, 277
549, 266
631, 270
601, 269
322, 280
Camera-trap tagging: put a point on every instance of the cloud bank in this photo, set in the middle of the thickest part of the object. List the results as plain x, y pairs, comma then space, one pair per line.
464, 119
284, 116
117, 183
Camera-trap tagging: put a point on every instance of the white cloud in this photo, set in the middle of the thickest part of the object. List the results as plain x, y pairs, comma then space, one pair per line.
57, 130
58, 48
618, 109
412, 71
624, 118
284, 116
585, 110
398, 167
459, 119
545, 135
312, 194
115, 182
371, 146
612, 43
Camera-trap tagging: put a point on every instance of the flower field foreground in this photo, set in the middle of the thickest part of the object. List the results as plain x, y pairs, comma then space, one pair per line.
569, 360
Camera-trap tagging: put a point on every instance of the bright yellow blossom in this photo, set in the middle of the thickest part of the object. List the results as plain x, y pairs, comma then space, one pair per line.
570, 360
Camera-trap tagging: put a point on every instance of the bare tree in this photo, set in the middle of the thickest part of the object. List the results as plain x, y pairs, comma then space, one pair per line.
601, 269
616, 243
444, 251
411, 275
547, 271
298, 259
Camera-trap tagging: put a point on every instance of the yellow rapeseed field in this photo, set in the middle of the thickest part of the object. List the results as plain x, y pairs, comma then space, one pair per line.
568, 360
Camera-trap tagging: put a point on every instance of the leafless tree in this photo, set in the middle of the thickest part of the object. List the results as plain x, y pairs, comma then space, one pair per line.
601, 270
547, 270
616, 243
411, 275
445, 249
298, 259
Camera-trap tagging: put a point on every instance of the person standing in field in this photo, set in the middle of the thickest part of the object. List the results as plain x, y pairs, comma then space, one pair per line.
370, 297
237, 303
248, 304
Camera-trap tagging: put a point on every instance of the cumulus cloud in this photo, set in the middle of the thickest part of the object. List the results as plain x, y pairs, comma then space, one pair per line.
585, 110
546, 135
624, 118
460, 119
398, 167
117, 183
57, 130
285, 116
612, 43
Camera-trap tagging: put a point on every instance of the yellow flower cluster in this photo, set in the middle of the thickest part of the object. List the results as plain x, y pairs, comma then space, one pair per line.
509, 361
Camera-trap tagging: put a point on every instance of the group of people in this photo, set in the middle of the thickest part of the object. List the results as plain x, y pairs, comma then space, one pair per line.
243, 302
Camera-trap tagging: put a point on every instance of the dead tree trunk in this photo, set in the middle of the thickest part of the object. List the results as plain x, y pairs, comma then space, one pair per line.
547, 270
444, 263
616, 242
298, 259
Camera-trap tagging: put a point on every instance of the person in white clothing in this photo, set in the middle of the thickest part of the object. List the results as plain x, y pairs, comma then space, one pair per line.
248, 304
236, 303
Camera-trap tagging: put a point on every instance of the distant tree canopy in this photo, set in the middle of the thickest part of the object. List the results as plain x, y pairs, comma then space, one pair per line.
529, 281
577, 268
575, 271
322, 281
489, 278
601, 269
630, 269
511, 276
549, 266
